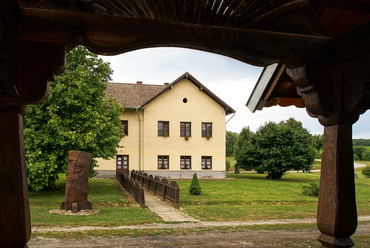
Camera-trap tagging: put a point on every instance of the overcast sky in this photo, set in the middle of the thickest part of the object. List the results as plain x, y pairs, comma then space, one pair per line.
230, 79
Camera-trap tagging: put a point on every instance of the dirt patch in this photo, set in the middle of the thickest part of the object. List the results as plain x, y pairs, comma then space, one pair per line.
214, 238
69, 212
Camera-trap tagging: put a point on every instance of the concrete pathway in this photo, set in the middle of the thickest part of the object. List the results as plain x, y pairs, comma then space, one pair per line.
165, 211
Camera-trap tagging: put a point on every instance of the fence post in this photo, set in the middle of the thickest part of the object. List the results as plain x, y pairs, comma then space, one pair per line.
165, 184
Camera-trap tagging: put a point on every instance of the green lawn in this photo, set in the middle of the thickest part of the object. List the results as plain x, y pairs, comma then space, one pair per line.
241, 197
252, 197
104, 194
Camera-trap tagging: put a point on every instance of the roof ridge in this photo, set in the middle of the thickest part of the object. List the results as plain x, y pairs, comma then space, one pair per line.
136, 84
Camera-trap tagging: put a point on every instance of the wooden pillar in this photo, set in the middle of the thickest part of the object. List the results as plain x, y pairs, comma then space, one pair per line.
337, 215
15, 224
335, 94
25, 71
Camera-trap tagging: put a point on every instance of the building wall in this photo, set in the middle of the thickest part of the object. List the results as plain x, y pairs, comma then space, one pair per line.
129, 144
169, 106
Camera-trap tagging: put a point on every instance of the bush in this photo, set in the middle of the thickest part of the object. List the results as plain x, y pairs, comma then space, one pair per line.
366, 171
195, 188
227, 166
236, 171
311, 190
366, 155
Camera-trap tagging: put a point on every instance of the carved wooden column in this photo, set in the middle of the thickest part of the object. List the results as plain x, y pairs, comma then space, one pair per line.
336, 95
25, 69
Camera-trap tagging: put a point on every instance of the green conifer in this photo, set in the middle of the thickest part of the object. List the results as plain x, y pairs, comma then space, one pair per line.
195, 188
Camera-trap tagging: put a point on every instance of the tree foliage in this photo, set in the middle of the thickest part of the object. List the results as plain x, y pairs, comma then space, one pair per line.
357, 152
76, 116
276, 148
361, 142
230, 142
318, 141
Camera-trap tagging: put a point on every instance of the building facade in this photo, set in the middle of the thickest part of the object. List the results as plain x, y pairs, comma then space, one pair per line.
172, 130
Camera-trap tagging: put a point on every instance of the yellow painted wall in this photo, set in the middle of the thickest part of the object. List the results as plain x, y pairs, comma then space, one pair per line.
129, 143
169, 106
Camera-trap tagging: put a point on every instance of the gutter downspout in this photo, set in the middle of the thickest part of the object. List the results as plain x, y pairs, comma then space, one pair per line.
137, 112
230, 118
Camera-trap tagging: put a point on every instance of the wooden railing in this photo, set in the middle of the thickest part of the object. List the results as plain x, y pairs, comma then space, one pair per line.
167, 191
132, 187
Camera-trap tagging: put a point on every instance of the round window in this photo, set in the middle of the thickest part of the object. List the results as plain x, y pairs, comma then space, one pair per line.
185, 100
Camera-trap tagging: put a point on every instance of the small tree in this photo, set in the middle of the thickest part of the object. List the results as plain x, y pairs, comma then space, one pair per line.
236, 168
195, 188
276, 148
230, 142
311, 190
227, 166
318, 142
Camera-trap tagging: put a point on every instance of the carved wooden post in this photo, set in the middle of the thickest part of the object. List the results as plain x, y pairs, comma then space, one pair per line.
337, 214
336, 95
15, 225
79, 164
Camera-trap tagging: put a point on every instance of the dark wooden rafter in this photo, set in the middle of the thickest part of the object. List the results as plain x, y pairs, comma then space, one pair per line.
113, 35
218, 13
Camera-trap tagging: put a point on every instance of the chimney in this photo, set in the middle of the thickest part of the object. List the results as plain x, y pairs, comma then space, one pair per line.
139, 82
166, 83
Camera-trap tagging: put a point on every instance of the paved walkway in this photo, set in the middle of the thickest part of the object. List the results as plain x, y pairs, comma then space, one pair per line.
165, 211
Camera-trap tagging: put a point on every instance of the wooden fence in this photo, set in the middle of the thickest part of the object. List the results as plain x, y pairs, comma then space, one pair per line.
167, 191
132, 187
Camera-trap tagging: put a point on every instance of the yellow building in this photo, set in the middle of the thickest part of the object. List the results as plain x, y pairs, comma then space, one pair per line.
171, 130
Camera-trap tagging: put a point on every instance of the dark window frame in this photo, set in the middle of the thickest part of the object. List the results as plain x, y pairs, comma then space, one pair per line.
163, 162
163, 128
122, 160
185, 129
185, 162
207, 164
207, 129
124, 128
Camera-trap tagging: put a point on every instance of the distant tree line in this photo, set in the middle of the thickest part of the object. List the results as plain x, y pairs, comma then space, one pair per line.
361, 142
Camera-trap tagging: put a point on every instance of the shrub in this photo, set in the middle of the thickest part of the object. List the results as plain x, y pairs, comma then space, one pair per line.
227, 166
366, 155
195, 188
366, 171
311, 190
236, 169
357, 152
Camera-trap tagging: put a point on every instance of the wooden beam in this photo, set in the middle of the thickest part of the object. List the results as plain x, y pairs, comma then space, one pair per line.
113, 35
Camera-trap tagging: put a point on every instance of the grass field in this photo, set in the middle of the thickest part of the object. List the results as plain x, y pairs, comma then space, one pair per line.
104, 194
243, 196
252, 197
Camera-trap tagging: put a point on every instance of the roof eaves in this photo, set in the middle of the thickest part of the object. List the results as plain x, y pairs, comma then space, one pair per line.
255, 101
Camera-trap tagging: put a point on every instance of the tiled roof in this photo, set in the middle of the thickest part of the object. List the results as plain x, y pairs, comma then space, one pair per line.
137, 95
132, 95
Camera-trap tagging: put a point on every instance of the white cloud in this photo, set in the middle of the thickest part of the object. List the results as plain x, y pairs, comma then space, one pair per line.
231, 80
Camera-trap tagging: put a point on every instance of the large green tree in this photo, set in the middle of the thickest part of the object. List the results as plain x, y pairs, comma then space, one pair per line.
76, 116
230, 142
276, 148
